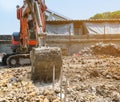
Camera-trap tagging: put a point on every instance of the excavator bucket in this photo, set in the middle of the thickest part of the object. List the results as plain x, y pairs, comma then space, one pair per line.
44, 60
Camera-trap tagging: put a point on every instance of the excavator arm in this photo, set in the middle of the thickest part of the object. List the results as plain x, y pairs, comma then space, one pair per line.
32, 23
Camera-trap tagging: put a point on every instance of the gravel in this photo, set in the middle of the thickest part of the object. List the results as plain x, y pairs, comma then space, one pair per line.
86, 77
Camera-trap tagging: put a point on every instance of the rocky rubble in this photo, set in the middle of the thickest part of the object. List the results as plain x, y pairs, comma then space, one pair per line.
86, 78
92, 78
16, 86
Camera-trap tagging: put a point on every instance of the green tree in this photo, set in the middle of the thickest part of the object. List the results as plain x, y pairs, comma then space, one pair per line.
97, 16
107, 15
115, 15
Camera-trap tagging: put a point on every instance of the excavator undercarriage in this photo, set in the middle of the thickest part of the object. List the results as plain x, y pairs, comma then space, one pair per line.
16, 60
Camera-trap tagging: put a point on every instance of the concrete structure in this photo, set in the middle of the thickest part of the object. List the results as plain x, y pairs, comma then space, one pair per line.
70, 44
5, 46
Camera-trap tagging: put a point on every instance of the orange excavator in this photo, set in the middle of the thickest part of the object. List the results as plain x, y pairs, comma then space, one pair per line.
28, 45
32, 23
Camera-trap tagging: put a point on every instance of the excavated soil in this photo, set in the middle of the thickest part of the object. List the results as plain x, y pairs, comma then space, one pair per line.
16, 86
88, 77
92, 78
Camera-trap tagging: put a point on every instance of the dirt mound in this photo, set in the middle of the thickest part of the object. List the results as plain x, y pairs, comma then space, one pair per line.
102, 48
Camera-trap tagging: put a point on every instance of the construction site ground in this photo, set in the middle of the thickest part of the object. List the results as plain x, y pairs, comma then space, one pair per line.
85, 78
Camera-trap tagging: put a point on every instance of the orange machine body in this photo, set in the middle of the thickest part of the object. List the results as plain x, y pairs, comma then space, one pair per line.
28, 29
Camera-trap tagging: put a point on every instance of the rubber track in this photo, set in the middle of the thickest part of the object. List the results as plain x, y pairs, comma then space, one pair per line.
19, 58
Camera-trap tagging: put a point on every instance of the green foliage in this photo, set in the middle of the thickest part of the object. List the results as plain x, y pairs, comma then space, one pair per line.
107, 15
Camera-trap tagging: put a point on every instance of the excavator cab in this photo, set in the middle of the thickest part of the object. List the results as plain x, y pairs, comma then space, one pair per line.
15, 41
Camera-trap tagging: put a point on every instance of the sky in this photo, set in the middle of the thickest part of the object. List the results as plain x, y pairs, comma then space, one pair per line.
74, 9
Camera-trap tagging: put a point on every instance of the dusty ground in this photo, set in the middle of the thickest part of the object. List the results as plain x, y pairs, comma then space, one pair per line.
92, 78
86, 77
89, 79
